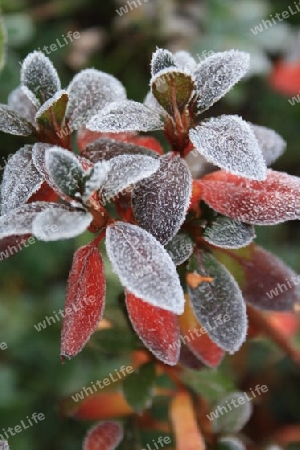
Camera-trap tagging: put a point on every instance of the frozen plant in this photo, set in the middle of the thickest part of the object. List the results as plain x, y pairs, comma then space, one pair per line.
176, 243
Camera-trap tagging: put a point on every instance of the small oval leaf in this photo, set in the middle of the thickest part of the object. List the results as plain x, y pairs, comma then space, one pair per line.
236, 415
13, 123
180, 248
268, 202
173, 89
228, 233
217, 74
20, 103
54, 225
271, 144
20, 180
105, 149
161, 59
230, 143
215, 300
89, 91
144, 267
126, 115
52, 112
161, 201
126, 170
104, 436
85, 300
39, 76
156, 327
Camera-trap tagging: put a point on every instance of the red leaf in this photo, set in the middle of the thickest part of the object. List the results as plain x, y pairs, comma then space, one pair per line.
156, 327
197, 339
84, 301
85, 137
267, 202
266, 282
188, 359
103, 436
44, 194
285, 77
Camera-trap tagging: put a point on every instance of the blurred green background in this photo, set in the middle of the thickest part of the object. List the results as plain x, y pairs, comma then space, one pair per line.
33, 281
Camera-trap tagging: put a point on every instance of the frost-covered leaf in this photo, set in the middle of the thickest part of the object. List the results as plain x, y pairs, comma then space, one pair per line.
20, 180
85, 300
156, 327
151, 102
217, 74
228, 233
95, 179
144, 266
65, 171
232, 443
230, 143
39, 76
126, 170
89, 91
63, 224
169, 85
161, 59
30, 97
12, 122
185, 61
180, 248
104, 436
20, 103
19, 221
268, 202
126, 115
105, 149
52, 112
143, 377
214, 301
235, 418
266, 281
39, 151
197, 340
271, 144
160, 202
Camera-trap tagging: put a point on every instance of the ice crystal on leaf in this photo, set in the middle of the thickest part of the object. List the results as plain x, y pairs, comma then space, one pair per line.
13, 123
20, 180
89, 91
271, 143
19, 102
217, 74
144, 266
39, 76
230, 143
161, 59
126, 115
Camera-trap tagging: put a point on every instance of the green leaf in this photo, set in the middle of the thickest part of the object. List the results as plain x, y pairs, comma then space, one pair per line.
169, 83
2, 42
225, 232
138, 387
218, 304
234, 411
52, 113
211, 384
180, 248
